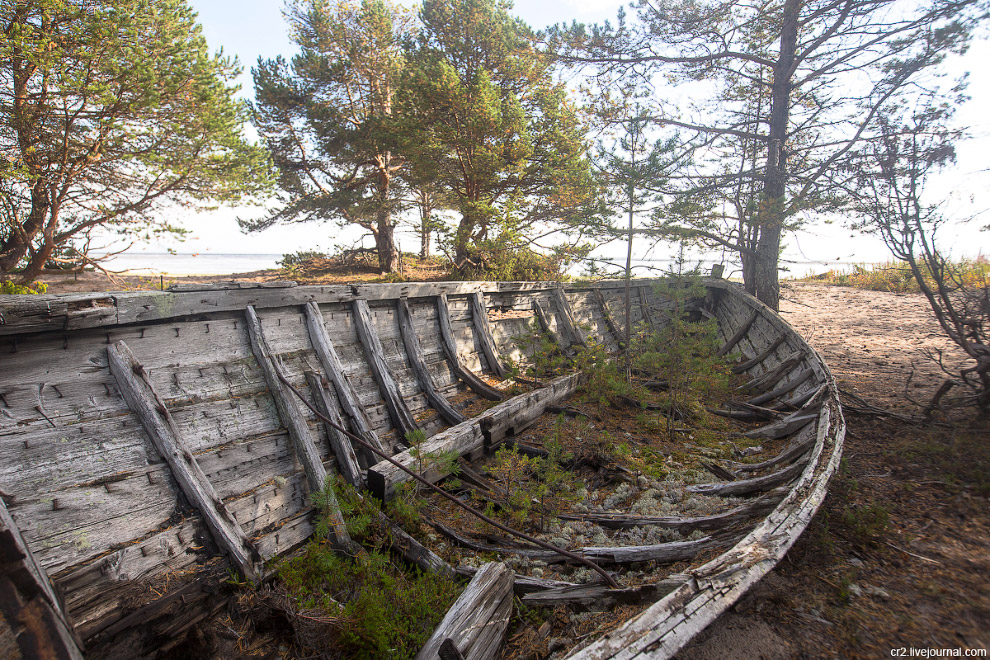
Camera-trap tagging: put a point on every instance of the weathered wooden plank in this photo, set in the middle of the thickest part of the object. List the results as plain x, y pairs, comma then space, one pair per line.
347, 461
450, 352
767, 352
566, 317
334, 369
477, 620
600, 597
786, 388
548, 329
483, 327
418, 362
397, 409
470, 436
739, 334
27, 598
749, 486
617, 336
154, 416
770, 377
644, 305
288, 410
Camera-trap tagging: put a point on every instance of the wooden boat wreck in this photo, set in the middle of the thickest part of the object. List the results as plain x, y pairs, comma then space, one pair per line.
151, 447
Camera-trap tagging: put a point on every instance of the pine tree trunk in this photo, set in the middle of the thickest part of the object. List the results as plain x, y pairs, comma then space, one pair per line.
765, 275
424, 236
388, 254
37, 263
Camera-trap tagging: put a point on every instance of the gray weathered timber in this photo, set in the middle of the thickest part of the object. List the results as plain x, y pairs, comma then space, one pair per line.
477, 620
764, 354
28, 600
566, 317
786, 388
770, 377
469, 437
449, 346
334, 369
299, 431
749, 486
288, 410
479, 314
739, 334
413, 551
548, 329
347, 461
418, 361
394, 401
644, 306
599, 597
617, 336
144, 401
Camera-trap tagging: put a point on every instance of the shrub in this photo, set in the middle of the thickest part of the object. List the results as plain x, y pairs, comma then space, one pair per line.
24, 289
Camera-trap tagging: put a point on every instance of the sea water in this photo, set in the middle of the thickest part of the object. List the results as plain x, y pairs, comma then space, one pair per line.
202, 263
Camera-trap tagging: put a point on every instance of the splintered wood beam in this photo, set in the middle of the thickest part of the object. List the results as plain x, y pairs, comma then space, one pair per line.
28, 602
609, 321
566, 316
469, 437
449, 346
387, 385
418, 361
740, 333
786, 388
544, 320
157, 421
334, 369
644, 306
771, 376
479, 314
299, 431
475, 624
749, 486
767, 352
598, 596
413, 551
347, 461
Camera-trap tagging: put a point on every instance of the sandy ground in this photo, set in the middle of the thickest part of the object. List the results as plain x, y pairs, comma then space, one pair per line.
899, 554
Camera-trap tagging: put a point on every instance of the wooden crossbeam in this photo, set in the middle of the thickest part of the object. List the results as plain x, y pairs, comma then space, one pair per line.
418, 361
566, 317
449, 346
157, 421
299, 432
334, 370
387, 385
482, 325
609, 321
347, 461
740, 333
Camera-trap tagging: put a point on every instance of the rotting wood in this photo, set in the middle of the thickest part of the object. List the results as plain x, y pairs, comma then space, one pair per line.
613, 330
749, 486
566, 317
347, 461
739, 334
29, 603
477, 620
644, 307
805, 415
769, 378
786, 388
767, 352
544, 320
387, 384
449, 346
334, 369
792, 452
299, 431
479, 314
418, 362
599, 597
157, 421
413, 551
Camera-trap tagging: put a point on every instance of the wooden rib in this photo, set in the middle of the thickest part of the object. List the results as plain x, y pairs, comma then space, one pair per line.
748, 486
449, 345
334, 369
476, 622
767, 352
598, 596
469, 437
793, 452
397, 409
413, 551
299, 432
157, 421
644, 306
771, 376
786, 388
483, 327
794, 421
347, 461
418, 362
566, 317
28, 601
544, 320
740, 333
609, 321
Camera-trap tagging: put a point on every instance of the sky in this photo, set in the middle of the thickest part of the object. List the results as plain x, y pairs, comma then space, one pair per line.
249, 29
